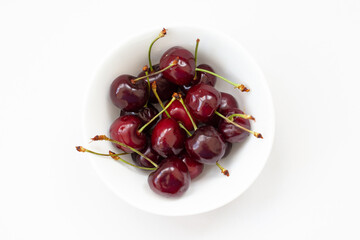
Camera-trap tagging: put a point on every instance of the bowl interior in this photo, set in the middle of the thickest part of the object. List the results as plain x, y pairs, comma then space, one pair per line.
212, 189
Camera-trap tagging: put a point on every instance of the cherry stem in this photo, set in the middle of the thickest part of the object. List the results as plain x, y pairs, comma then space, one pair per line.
157, 115
223, 170
113, 155
244, 116
82, 149
104, 137
196, 50
173, 63
161, 34
149, 88
188, 113
183, 127
117, 158
153, 87
258, 135
238, 86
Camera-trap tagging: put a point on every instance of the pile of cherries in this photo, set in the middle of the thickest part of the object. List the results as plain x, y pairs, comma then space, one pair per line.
197, 125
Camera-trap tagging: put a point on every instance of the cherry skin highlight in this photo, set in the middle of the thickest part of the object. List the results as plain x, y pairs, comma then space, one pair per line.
202, 101
171, 179
164, 88
168, 138
177, 112
125, 129
232, 133
195, 168
182, 73
128, 96
206, 145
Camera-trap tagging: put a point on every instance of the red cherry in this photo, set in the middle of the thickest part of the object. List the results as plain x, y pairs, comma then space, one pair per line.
171, 179
125, 129
201, 77
183, 72
227, 102
168, 138
202, 101
230, 132
164, 89
195, 168
128, 96
177, 112
148, 152
205, 145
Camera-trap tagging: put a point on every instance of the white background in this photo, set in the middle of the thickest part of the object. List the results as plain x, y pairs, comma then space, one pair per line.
310, 54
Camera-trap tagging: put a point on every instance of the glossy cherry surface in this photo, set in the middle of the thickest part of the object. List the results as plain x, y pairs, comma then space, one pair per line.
227, 102
201, 77
164, 88
148, 113
148, 152
125, 129
202, 101
177, 112
171, 179
128, 96
232, 133
168, 138
195, 168
206, 145
183, 72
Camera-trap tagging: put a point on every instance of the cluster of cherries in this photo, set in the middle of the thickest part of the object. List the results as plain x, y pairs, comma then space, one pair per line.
197, 125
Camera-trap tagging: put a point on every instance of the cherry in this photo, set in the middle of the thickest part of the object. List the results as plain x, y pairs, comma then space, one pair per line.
148, 152
230, 132
168, 138
148, 113
227, 149
183, 72
128, 95
227, 102
164, 87
202, 101
171, 179
201, 77
125, 129
205, 145
178, 113
195, 168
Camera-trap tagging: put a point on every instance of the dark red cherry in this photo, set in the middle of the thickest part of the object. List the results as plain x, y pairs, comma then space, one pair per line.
168, 138
202, 101
227, 102
201, 77
128, 96
177, 112
227, 149
125, 129
195, 168
171, 179
183, 72
148, 152
164, 88
206, 78
148, 113
206, 145
232, 133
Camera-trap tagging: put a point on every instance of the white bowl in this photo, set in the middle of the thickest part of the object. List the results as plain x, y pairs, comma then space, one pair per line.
210, 190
